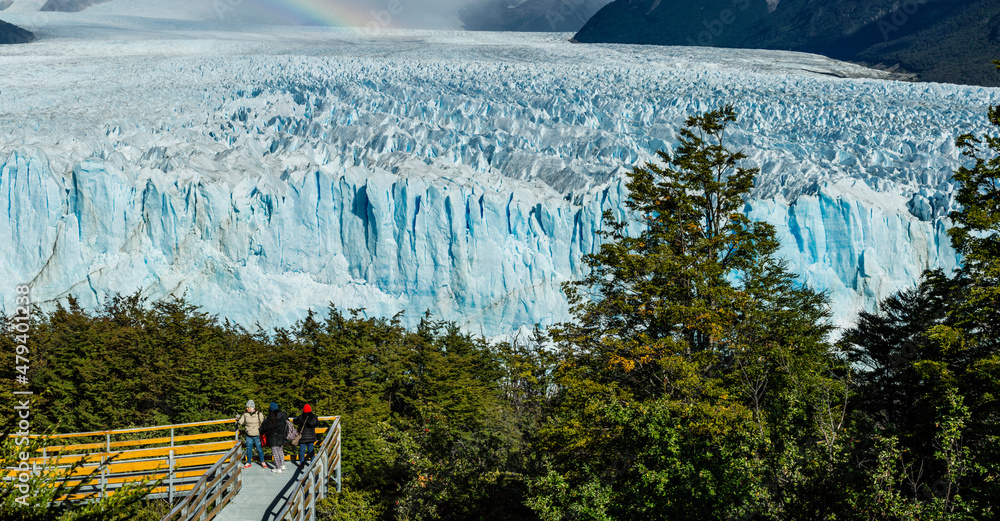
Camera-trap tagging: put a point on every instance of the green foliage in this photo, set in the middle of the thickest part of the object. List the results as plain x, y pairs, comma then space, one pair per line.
555, 500
350, 505
669, 279
132, 365
697, 369
926, 370
434, 419
976, 234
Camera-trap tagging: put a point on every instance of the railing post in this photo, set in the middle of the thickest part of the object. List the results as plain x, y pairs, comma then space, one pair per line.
104, 477
339, 429
315, 494
324, 466
171, 437
109, 441
170, 476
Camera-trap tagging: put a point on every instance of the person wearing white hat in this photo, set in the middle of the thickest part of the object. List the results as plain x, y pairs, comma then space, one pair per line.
251, 421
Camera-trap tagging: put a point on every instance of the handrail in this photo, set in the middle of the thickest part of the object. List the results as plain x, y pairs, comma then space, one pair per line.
314, 479
133, 429
104, 467
199, 491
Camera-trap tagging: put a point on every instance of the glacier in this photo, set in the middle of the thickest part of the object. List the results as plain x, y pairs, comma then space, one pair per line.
263, 171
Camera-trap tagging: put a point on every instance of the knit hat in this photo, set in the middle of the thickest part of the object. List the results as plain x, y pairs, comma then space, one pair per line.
251, 405
307, 408
274, 406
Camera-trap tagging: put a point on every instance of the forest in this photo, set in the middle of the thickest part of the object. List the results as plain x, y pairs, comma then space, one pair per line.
697, 380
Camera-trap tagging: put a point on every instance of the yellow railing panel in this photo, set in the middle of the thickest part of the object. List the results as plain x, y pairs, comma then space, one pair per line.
95, 457
138, 429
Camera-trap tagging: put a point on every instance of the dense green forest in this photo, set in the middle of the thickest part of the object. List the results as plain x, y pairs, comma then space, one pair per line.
697, 381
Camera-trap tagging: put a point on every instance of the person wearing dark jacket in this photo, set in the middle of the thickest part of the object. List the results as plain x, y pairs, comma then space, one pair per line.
306, 424
275, 426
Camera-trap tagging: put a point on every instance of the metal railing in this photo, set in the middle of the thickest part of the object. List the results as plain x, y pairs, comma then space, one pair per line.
204, 475
311, 487
214, 490
97, 469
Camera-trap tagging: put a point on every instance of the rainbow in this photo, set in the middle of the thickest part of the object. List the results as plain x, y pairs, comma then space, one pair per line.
332, 13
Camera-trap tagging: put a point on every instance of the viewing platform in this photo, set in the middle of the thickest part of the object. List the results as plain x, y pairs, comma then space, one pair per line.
195, 466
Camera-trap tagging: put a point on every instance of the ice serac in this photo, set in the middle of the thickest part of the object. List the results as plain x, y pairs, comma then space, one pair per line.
856, 244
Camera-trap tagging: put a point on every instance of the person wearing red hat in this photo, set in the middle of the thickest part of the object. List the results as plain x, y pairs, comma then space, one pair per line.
306, 424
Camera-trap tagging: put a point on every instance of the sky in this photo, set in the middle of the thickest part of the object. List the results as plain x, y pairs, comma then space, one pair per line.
409, 14
423, 14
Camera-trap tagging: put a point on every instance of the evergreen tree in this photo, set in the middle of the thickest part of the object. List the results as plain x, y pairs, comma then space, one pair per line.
696, 363
976, 235
928, 365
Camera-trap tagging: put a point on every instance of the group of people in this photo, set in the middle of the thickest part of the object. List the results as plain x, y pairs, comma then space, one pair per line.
274, 428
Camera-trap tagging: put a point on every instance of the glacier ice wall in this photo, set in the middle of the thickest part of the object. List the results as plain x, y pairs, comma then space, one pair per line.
488, 256
263, 171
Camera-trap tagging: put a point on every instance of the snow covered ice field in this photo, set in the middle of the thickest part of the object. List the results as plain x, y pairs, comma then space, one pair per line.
262, 171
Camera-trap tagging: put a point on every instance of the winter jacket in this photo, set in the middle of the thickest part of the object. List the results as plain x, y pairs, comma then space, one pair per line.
275, 428
306, 424
251, 422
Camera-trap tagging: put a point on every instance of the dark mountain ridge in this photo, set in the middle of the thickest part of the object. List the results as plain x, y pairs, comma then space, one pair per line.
13, 34
951, 41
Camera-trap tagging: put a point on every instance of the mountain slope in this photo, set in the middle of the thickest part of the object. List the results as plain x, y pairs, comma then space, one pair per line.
937, 40
14, 34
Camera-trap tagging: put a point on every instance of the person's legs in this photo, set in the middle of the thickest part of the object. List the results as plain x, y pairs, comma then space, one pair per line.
260, 450
251, 442
312, 449
305, 448
279, 457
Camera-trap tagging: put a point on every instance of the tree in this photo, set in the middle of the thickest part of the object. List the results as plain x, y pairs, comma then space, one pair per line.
696, 363
976, 234
669, 280
927, 363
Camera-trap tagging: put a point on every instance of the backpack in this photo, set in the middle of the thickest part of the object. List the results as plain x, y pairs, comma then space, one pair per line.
291, 434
